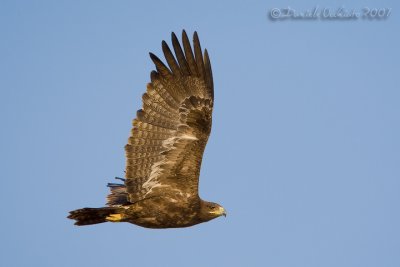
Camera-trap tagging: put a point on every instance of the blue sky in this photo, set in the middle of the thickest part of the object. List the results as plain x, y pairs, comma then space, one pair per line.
304, 152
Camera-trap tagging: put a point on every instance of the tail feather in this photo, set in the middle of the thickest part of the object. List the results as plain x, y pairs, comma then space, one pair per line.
87, 216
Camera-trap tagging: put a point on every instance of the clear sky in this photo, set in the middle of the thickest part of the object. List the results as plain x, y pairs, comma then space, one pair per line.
304, 152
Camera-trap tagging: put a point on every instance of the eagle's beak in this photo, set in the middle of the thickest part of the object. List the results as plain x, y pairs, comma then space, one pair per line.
223, 212
219, 212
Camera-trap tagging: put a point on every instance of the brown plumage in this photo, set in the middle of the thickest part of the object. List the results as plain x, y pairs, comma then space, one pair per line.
166, 146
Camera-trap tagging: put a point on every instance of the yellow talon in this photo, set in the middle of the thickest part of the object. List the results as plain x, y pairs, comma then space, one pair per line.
114, 217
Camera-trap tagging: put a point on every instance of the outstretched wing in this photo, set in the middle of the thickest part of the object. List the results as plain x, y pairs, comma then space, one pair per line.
170, 132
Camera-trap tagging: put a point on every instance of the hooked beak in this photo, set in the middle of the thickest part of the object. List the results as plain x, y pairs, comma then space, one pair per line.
220, 212
223, 212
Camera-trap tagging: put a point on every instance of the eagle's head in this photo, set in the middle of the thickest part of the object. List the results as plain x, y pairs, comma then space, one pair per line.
210, 210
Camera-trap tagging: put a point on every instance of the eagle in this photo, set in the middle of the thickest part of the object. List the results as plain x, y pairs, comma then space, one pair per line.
165, 147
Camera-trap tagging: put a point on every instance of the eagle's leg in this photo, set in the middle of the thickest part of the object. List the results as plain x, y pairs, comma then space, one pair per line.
116, 217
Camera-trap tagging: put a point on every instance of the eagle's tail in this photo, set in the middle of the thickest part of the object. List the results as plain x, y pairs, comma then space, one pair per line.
87, 216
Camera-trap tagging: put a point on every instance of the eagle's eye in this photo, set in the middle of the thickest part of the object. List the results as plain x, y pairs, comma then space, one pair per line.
212, 207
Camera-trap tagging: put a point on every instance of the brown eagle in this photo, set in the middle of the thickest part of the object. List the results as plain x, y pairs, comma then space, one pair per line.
165, 148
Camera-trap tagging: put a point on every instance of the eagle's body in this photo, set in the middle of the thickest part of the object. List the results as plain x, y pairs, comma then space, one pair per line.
165, 212
166, 146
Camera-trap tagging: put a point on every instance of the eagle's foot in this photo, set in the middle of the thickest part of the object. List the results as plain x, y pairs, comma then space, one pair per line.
114, 217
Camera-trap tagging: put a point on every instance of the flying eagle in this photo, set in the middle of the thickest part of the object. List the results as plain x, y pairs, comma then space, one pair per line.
165, 148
